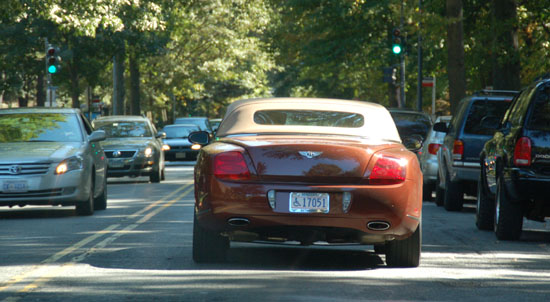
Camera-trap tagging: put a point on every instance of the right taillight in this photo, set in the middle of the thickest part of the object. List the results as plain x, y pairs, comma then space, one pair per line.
458, 150
388, 171
433, 148
231, 166
522, 152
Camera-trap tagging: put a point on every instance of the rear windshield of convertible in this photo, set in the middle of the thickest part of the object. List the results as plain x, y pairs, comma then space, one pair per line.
309, 118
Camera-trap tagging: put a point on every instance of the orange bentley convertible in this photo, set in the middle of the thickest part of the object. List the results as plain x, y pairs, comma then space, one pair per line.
309, 171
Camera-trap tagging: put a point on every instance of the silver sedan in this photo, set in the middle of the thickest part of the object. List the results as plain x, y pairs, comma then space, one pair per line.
51, 156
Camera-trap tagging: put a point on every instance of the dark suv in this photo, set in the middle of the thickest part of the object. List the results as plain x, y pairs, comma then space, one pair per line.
474, 123
515, 177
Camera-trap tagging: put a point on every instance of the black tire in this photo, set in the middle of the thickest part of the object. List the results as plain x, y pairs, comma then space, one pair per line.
485, 210
100, 203
86, 208
162, 174
380, 249
155, 175
208, 246
406, 252
453, 199
427, 190
439, 193
508, 220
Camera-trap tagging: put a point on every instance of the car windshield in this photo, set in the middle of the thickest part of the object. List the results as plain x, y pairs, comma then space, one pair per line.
124, 128
409, 124
309, 118
39, 127
178, 132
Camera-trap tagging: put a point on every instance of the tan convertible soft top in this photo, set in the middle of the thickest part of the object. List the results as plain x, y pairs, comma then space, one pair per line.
239, 118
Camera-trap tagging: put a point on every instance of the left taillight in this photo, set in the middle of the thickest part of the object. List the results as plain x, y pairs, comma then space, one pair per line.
388, 171
433, 148
231, 166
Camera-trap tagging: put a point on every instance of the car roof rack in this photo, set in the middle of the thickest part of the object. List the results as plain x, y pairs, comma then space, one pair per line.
495, 92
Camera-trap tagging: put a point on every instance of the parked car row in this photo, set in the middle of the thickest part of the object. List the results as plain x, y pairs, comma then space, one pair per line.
497, 148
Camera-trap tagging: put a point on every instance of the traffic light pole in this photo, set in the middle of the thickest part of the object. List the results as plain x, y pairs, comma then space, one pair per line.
48, 75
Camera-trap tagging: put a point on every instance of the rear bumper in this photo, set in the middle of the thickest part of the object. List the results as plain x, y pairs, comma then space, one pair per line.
523, 184
399, 205
465, 171
430, 170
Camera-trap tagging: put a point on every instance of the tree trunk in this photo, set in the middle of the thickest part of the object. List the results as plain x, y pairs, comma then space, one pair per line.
75, 89
506, 61
455, 50
135, 101
118, 82
40, 92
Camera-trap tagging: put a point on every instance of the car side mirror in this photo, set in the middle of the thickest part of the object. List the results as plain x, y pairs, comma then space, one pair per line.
199, 137
413, 143
441, 127
161, 134
96, 136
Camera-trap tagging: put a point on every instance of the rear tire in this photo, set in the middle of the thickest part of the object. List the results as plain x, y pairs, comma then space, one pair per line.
406, 252
485, 213
87, 208
453, 199
208, 246
508, 221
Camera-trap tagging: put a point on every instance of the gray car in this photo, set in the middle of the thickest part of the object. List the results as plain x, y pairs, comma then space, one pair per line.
133, 146
51, 156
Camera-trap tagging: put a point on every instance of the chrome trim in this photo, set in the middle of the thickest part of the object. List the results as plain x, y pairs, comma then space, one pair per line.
413, 217
466, 164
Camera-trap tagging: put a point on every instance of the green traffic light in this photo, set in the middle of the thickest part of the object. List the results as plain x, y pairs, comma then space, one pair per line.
396, 48
52, 69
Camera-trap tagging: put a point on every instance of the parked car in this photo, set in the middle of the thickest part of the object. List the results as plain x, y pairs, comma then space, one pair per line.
515, 177
51, 156
474, 123
411, 124
133, 146
428, 157
307, 170
202, 122
176, 143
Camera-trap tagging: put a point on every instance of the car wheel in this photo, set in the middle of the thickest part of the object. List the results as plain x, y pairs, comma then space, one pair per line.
87, 208
508, 220
427, 190
406, 252
439, 193
100, 203
453, 198
155, 175
380, 249
208, 246
162, 175
485, 213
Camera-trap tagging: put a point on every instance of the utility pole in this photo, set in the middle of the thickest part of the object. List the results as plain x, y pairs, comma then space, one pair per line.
419, 82
402, 58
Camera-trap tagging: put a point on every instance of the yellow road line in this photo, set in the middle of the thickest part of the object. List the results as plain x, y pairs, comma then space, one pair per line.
74, 247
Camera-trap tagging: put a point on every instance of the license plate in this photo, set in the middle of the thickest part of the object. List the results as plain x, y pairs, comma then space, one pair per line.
14, 186
301, 202
116, 163
180, 155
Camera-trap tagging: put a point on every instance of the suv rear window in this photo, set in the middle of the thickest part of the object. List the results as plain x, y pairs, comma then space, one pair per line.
484, 116
540, 120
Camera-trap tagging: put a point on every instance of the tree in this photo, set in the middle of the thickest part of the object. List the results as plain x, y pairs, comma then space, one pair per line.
455, 58
506, 59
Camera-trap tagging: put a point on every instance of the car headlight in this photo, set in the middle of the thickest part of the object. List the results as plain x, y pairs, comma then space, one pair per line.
148, 152
165, 147
69, 164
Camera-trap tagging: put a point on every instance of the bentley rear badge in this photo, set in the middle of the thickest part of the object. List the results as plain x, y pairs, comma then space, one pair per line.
310, 154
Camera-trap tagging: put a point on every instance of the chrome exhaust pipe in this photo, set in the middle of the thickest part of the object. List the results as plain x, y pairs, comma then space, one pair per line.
378, 225
238, 222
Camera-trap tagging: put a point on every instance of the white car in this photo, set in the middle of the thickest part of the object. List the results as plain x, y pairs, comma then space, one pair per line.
428, 157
